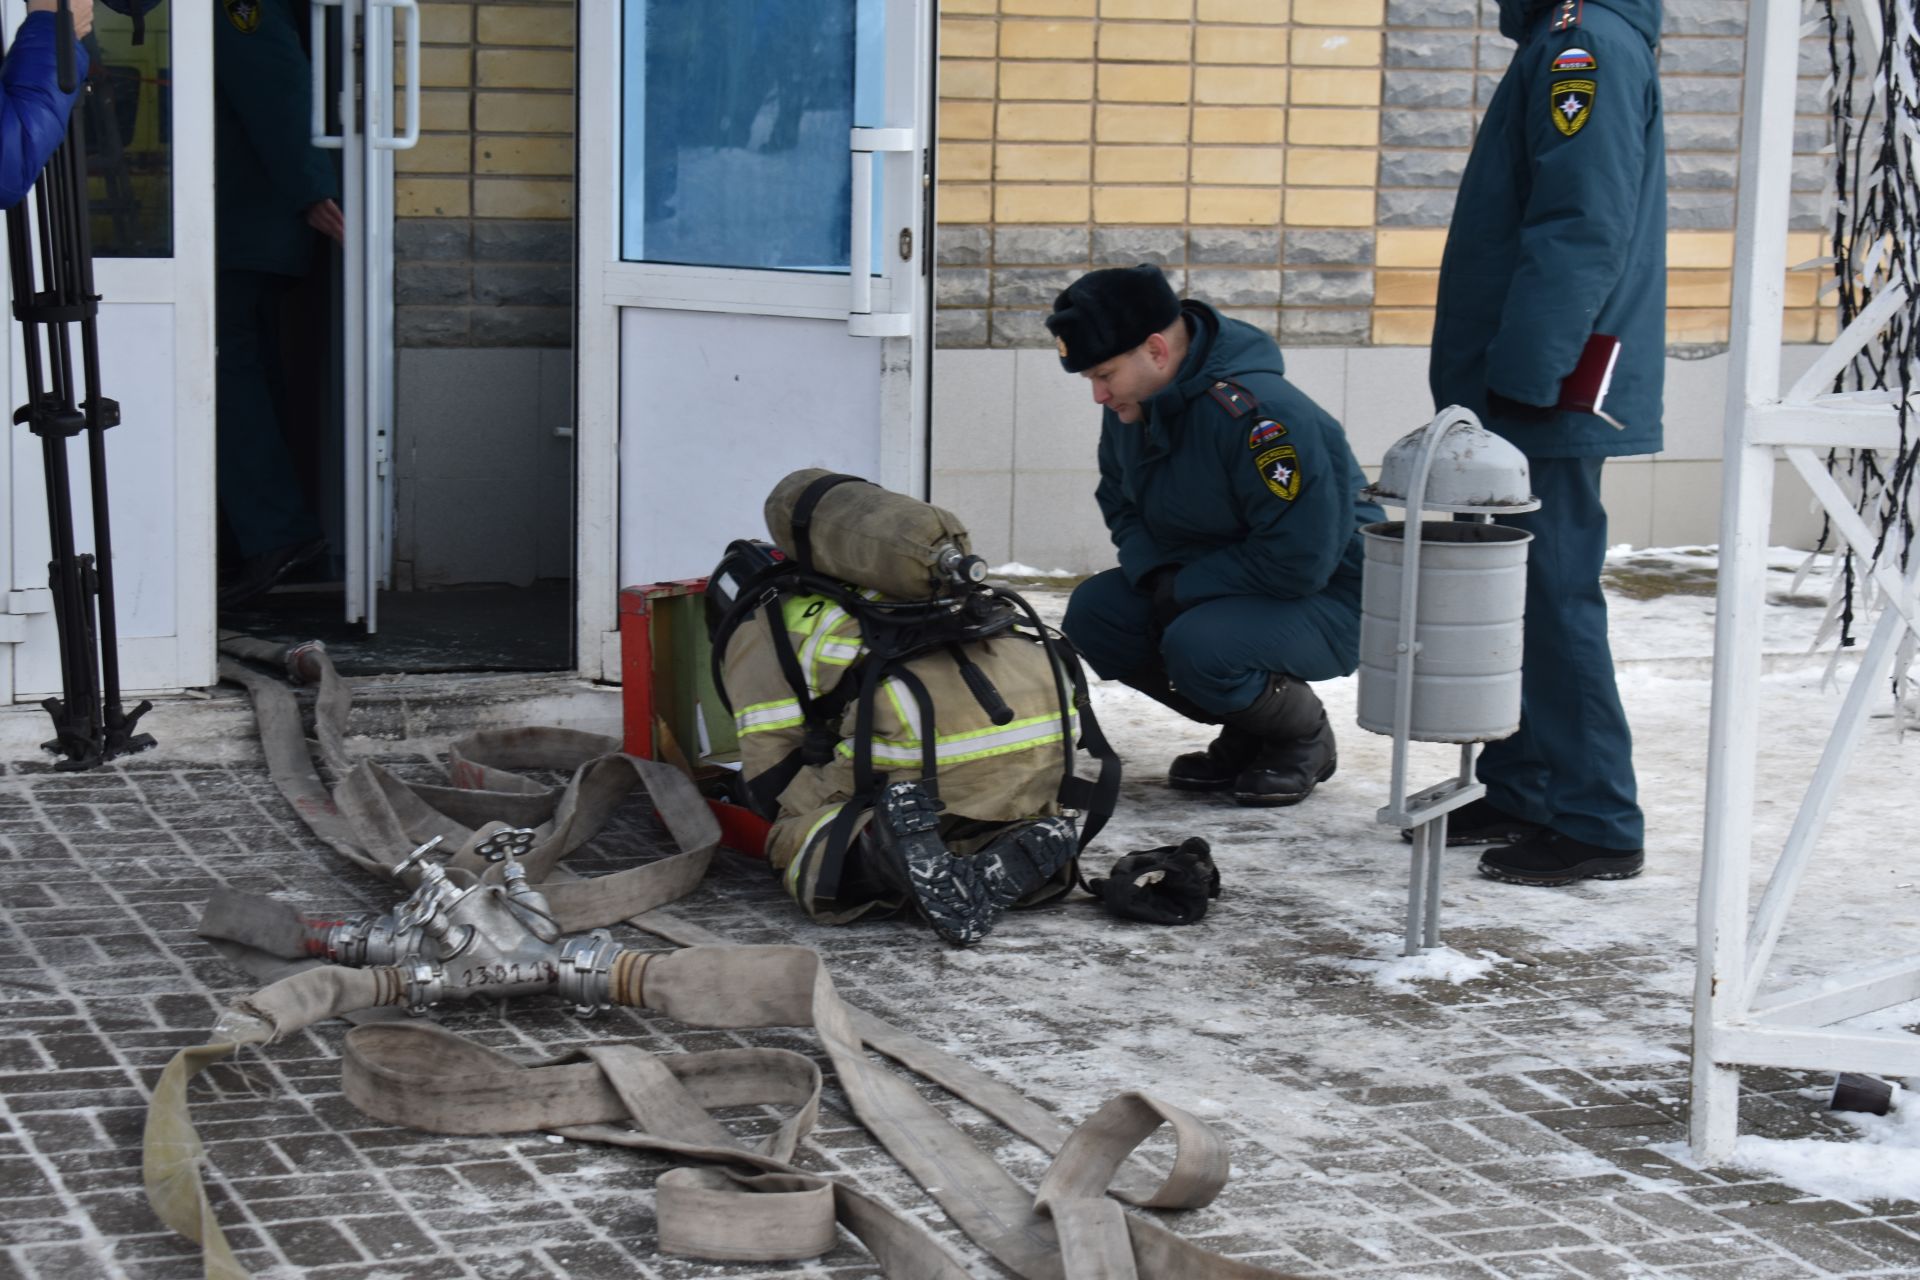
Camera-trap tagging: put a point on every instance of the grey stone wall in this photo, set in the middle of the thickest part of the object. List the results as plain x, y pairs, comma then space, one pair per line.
1442, 61
462, 282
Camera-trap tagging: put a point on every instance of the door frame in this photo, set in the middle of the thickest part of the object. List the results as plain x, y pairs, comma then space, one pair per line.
899, 303
183, 285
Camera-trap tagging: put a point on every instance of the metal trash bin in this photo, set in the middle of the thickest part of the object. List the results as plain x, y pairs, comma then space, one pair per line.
1468, 625
1441, 626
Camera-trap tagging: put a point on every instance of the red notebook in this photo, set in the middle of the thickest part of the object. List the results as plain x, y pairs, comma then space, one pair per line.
1585, 389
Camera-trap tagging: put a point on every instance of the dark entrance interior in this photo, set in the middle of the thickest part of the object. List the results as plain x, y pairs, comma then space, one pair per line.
488, 608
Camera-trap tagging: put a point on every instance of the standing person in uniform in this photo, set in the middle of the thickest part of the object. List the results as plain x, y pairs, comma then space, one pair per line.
1560, 234
273, 191
33, 110
1233, 501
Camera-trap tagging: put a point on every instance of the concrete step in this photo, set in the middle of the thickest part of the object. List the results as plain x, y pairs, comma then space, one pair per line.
216, 725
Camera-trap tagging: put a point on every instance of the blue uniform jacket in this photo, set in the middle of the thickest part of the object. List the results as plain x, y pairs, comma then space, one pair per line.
1234, 475
266, 169
33, 111
1560, 230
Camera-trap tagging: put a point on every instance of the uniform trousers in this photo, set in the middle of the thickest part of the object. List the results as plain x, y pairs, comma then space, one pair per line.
1219, 653
1570, 766
258, 488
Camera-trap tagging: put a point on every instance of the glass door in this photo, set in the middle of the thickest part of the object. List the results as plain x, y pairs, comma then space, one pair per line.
358, 112
753, 291
148, 118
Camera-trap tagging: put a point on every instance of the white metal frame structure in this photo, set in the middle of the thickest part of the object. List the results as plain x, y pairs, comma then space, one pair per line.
889, 169
157, 359
1735, 1023
369, 135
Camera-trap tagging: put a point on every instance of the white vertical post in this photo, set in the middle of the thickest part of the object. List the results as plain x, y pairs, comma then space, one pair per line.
1766, 163
596, 354
359, 592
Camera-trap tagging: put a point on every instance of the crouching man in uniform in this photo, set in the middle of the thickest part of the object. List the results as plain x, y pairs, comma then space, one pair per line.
1233, 501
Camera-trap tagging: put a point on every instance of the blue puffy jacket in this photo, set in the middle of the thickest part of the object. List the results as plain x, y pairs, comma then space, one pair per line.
1560, 230
1236, 476
33, 111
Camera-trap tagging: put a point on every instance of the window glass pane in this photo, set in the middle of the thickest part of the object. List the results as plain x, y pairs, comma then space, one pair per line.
129, 126
736, 115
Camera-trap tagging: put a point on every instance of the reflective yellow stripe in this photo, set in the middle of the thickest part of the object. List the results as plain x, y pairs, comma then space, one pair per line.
794, 615
828, 640
1021, 735
764, 717
806, 849
907, 708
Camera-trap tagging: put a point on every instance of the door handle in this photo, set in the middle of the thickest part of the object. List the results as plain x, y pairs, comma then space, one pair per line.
862, 320
390, 141
317, 42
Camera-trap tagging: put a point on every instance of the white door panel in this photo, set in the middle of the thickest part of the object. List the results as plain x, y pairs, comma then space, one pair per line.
753, 271
156, 360
696, 402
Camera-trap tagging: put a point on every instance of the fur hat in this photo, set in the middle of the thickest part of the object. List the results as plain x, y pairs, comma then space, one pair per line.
1109, 312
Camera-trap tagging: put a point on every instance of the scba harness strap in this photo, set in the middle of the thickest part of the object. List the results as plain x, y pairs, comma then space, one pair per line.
891, 635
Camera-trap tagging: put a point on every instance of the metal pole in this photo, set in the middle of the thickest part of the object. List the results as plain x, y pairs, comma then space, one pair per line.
1766, 171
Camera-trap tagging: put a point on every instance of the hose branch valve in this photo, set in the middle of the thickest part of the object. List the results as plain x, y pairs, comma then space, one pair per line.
456, 937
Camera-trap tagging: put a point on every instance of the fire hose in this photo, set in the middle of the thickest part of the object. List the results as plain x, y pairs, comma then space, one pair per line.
480, 925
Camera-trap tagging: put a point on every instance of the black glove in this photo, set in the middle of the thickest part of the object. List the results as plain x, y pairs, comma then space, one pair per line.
1157, 585
1500, 406
1169, 885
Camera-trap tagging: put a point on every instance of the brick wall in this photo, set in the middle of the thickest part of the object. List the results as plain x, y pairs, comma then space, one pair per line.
484, 239
1292, 161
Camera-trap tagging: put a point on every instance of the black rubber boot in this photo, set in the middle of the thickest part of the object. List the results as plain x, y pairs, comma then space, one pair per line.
1296, 744
1478, 822
1214, 769
1287, 772
962, 898
1155, 685
1549, 859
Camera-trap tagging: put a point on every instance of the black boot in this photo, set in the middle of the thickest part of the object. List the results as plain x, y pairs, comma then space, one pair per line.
1549, 859
1215, 768
1296, 744
963, 897
1478, 822
1155, 685
1287, 772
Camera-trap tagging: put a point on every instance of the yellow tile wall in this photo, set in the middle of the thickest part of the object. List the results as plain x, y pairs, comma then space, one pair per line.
1244, 123
485, 201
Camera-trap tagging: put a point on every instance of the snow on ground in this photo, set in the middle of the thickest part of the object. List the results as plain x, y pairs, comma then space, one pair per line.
1328, 863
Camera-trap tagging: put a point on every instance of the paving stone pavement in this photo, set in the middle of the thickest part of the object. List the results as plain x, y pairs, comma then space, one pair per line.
1514, 1170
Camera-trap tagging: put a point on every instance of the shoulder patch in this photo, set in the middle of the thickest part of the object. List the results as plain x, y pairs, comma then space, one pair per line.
1264, 432
1572, 105
1569, 16
1236, 400
244, 15
1574, 60
1279, 467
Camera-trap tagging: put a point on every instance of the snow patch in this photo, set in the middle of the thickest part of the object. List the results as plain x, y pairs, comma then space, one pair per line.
1883, 1163
1014, 569
1397, 973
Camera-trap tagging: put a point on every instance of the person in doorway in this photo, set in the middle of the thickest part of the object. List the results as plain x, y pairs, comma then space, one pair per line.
1233, 501
1560, 235
33, 110
274, 191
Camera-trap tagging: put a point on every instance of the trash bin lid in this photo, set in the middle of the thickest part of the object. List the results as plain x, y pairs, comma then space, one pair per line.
1473, 470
